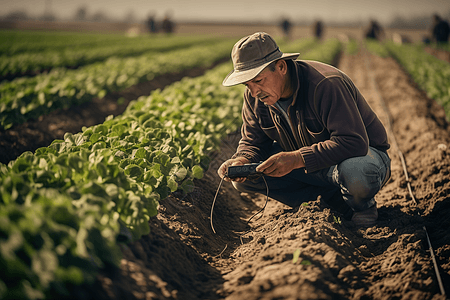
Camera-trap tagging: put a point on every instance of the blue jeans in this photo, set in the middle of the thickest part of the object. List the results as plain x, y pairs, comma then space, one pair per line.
358, 179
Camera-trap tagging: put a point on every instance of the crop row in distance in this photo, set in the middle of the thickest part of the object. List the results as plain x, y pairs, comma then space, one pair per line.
26, 98
430, 73
32, 62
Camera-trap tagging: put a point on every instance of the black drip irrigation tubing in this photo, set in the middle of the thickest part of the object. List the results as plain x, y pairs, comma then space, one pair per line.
368, 63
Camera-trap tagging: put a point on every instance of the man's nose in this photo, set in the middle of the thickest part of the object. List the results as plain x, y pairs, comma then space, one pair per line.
254, 91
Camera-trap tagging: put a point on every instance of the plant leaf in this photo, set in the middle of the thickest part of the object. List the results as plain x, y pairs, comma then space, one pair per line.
197, 172
296, 256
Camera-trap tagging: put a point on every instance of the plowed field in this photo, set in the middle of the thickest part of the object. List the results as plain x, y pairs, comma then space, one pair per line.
182, 258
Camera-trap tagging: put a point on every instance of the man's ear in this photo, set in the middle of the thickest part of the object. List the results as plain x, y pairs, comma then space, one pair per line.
282, 66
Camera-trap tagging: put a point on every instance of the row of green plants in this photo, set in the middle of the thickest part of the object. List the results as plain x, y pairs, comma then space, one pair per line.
326, 51
32, 62
430, 73
18, 41
376, 47
65, 209
351, 47
312, 49
300, 45
441, 46
26, 98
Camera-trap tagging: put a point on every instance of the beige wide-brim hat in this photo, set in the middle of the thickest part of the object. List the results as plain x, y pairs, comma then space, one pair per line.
251, 55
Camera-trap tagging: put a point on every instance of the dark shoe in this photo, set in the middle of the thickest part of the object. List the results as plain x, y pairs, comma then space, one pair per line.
366, 218
337, 203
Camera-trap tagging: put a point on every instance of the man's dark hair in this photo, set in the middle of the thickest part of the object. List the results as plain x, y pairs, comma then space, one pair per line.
272, 65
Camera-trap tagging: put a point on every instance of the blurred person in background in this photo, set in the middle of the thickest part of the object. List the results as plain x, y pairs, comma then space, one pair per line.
318, 29
151, 24
311, 128
167, 25
374, 31
286, 27
440, 30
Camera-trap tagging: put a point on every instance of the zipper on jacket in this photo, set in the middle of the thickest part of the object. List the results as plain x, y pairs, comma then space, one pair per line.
302, 137
302, 142
288, 137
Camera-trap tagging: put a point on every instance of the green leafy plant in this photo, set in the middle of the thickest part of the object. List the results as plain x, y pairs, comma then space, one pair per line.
337, 220
296, 257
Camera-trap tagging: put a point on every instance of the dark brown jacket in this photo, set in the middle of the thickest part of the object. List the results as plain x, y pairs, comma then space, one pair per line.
330, 120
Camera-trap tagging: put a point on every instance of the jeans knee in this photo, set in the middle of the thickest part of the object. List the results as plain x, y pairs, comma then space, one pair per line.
362, 190
362, 181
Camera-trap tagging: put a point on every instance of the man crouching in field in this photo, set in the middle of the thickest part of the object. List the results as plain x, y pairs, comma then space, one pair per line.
312, 130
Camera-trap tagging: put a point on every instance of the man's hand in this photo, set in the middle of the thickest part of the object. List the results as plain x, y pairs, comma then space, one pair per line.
281, 164
222, 171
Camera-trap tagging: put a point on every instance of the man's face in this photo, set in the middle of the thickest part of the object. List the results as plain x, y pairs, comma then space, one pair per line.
268, 86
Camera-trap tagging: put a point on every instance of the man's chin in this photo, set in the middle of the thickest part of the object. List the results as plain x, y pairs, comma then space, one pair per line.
269, 102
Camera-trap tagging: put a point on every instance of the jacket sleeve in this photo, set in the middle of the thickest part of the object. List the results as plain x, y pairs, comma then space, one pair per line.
336, 106
254, 144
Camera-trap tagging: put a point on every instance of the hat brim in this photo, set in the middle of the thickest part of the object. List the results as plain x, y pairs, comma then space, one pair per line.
238, 77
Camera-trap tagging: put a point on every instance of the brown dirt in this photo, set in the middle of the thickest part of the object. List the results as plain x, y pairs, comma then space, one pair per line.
182, 258
439, 53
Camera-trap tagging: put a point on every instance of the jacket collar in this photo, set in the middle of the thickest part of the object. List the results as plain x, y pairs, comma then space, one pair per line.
295, 79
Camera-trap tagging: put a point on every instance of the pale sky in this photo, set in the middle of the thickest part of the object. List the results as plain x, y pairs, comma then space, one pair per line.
237, 10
